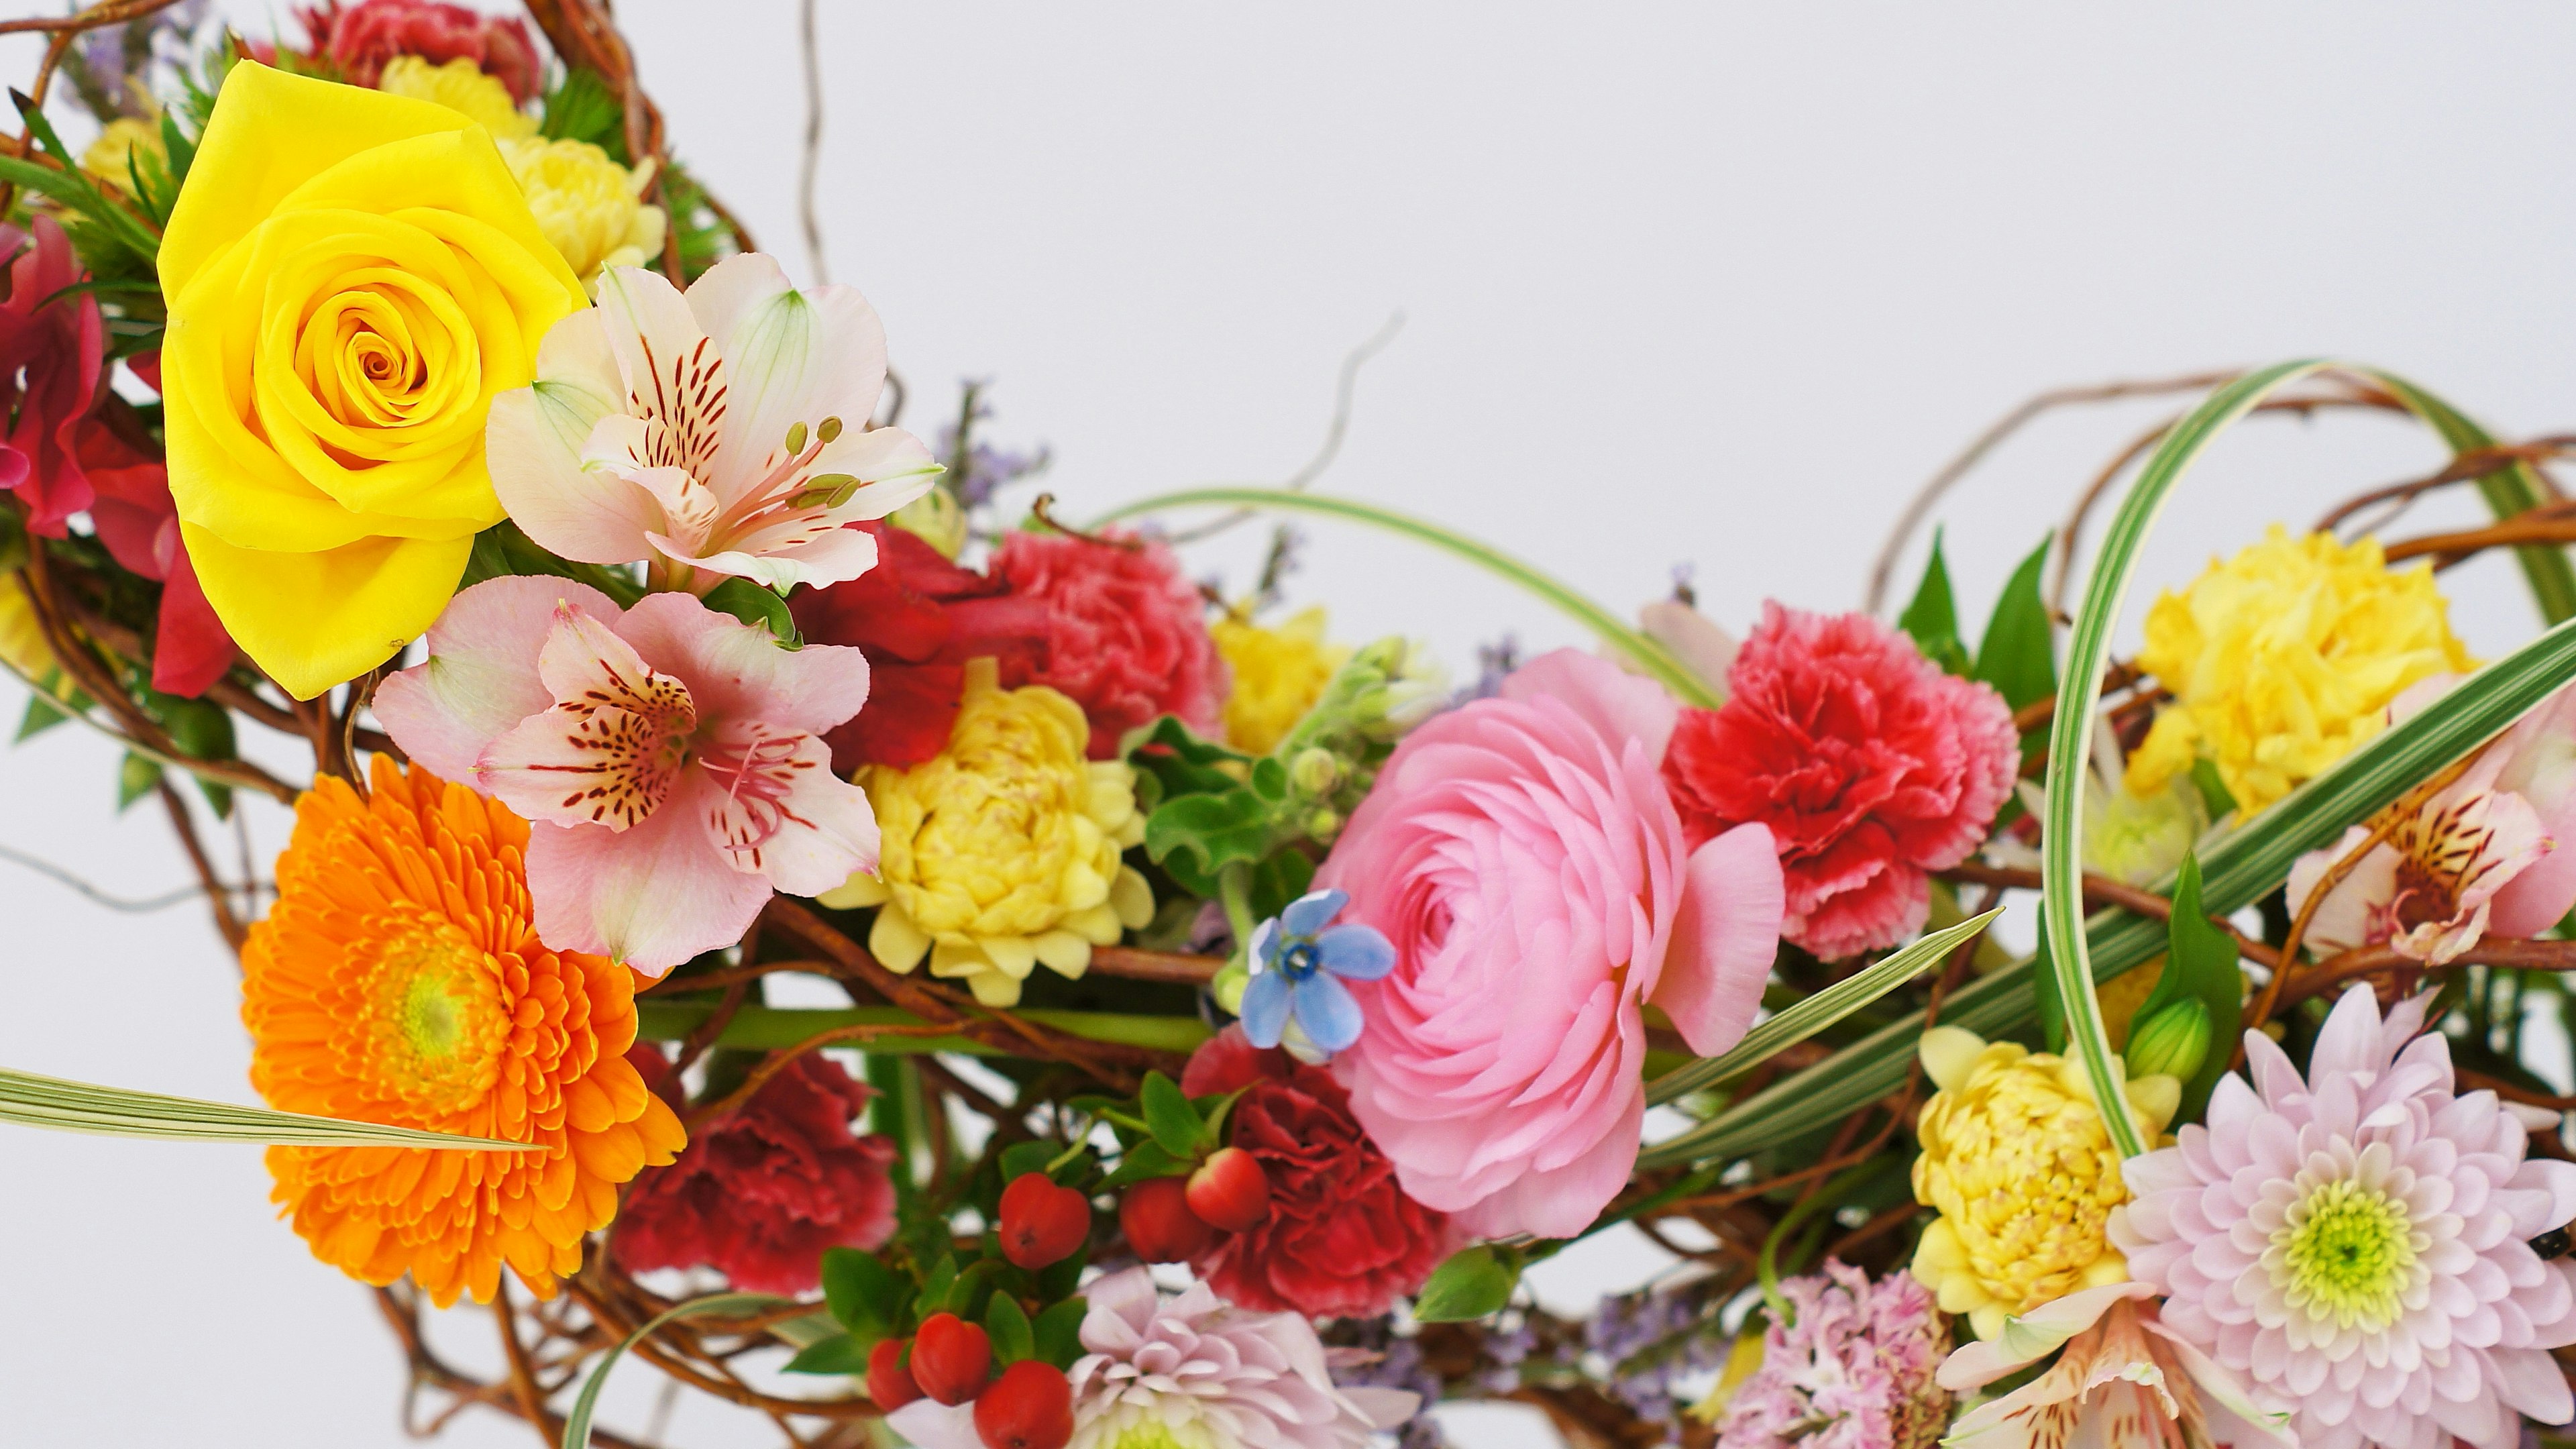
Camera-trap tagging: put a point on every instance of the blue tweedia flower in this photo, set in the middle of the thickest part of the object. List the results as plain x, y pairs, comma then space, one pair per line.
1299, 961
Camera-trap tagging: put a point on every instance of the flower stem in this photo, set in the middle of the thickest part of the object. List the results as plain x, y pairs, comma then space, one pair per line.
1234, 891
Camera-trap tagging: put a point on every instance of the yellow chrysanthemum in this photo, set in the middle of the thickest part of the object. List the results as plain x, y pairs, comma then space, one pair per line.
106, 157
1278, 675
2020, 1167
1002, 852
459, 85
2284, 658
590, 207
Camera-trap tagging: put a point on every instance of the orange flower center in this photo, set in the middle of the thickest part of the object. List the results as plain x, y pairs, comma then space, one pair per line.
435, 1024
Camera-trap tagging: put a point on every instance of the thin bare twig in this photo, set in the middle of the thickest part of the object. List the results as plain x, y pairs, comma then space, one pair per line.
811, 165
1345, 389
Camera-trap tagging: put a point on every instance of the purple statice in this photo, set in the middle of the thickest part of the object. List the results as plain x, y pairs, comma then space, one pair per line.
1851, 1368
1493, 662
1367, 1353
103, 63
977, 469
1650, 1341
1504, 1350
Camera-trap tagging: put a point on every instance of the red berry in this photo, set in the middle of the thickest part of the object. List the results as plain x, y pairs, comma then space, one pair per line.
1031, 1407
1156, 1216
889, 1382
1041, 1222
1229, 1190
951, 1358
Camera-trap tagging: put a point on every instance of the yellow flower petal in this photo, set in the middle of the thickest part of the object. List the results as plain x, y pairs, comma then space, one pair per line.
895, 941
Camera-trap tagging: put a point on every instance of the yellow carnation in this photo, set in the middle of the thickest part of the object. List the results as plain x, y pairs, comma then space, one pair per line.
459, 85
1278, 675
352, 278
1002, 852
2017, 1162
121, 138
590, 207
2284, 658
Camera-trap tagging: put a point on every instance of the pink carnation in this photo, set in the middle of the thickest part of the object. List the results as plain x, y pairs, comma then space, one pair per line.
360, 39
1523, 858
2354, 1244
1871, 767
1127, 636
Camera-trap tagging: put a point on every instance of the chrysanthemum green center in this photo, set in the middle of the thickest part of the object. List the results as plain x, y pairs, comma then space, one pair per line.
2346, 1252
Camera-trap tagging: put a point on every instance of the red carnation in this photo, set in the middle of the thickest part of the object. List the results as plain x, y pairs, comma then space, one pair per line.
51, 359
1127, 636
135, 518
1870, 766
1341, 1238
919, 618
360, 39
760, 1195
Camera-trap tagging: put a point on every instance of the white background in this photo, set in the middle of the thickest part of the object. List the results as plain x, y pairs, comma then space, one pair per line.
1715, 284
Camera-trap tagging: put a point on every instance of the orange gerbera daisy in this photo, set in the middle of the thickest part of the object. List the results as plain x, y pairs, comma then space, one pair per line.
400, 980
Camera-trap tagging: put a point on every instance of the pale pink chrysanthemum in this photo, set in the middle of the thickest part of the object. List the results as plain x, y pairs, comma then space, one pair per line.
1190, 1370
2354, 1244
1852, 1369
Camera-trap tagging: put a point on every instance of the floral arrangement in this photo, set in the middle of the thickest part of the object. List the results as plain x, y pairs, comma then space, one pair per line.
1233, 1015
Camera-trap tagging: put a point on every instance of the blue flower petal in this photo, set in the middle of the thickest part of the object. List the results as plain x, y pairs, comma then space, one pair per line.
1266, 1000
1328, 1013
1356, 951
1265, 944
1309, 914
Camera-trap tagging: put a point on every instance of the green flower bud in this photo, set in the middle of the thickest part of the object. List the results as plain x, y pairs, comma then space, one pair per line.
1228, 987
2173, 1042
1314, 771
1323, 825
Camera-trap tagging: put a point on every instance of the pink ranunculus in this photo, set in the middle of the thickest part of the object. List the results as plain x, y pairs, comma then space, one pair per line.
669, 758
362, 37
1871, 767
51, 358
1523, 857
1127, 635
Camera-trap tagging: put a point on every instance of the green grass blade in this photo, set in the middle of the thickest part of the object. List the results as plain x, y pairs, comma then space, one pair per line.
585, 1405
1797, 1023
2071, 731
1649, 654
63, 1106
2544, 566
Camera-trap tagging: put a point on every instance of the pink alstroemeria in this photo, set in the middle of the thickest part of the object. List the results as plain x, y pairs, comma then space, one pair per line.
2494, 851
669, 758
721, 433
2121, 1379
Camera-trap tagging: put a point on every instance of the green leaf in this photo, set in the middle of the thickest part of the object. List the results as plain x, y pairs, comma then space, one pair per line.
1651, 655
581, 108
1932, 620
182, 151
2507, 491
62, 1106
1007, 1324
1474, 1283
842, 1353
81, 194
135, 778
503, 551
1169, 1115
1144, 1160
2017, 656
863, 1293
936, 1284
1057, 1279
1057, 1335
2215, 797
753, 604
41, 716
966, 1296
2200, 965
1799, 1022
585, 1405
1022, 1158
1196, 836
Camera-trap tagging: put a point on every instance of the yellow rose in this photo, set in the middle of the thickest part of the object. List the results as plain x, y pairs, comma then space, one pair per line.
588, 205
2023, 1172
2284, 658
1278, 675
352, 277
459, 85
1002, 852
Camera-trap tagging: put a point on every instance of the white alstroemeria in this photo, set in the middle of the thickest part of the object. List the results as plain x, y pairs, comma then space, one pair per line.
721, 433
